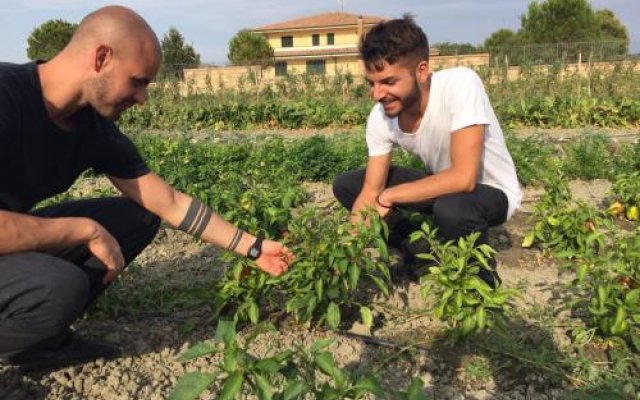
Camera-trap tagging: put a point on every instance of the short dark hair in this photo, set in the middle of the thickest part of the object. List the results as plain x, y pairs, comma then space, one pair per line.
392, 41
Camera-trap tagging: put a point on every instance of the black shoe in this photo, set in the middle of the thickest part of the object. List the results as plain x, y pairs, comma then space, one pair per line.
73, 349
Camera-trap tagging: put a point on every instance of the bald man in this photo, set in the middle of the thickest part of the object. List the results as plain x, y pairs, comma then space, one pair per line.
56, 121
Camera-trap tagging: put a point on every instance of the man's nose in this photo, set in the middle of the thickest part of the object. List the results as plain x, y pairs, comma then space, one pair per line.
377, 92
141, 96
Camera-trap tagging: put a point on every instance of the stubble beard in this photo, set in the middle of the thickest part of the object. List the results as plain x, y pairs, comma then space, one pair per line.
407, 102
101, 88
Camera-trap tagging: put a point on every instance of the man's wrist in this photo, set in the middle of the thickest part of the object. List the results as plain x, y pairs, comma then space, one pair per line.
382, 202
255, 250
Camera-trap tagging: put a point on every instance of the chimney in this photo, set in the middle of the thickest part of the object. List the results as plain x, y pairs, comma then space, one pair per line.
360, 27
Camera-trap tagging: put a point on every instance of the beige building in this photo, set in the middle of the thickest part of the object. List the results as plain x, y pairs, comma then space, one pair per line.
323, 44
320, 44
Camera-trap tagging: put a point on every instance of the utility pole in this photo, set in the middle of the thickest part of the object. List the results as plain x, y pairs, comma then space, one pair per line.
341, 5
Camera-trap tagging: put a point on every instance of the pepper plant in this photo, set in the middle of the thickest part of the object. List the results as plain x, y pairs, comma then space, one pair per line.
626, 194
291, 374
334, 265
610, 286
568, 229
464, 301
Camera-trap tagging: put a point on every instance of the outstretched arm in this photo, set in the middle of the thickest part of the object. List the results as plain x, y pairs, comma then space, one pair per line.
186, 213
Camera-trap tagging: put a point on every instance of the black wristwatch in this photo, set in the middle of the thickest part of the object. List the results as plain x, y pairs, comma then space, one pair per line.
256, 248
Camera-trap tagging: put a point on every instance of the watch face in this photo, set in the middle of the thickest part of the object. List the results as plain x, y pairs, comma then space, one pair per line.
253, 252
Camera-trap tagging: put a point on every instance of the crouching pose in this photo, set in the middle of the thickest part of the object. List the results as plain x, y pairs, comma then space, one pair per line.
56, 121
446, 120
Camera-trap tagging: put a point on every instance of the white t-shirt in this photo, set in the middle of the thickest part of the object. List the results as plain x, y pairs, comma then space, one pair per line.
457, 99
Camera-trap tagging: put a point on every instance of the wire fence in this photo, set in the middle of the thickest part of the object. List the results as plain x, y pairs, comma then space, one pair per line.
563, 53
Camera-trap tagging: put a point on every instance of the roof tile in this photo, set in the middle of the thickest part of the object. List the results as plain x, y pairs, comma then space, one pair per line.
321, 20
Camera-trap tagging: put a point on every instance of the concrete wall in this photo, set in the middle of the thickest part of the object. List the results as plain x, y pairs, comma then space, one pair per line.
214, 78
207, 79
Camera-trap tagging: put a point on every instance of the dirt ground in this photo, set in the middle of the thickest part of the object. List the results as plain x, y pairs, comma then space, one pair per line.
150, 342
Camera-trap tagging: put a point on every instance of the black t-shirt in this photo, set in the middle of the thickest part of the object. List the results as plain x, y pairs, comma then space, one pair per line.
37, 158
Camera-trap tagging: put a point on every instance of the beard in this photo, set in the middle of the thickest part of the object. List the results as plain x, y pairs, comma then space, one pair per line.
406, 102
100, 103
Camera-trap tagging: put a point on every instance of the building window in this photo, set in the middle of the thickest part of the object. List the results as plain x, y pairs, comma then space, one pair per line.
315, 38
330, 39
281, 68
287, 41
316, 67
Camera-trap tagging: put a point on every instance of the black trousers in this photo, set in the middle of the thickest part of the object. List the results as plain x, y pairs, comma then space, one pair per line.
456, 215
41, 294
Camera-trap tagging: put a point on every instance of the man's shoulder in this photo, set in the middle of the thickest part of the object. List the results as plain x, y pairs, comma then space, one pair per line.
455, 73
10, 72
15, 81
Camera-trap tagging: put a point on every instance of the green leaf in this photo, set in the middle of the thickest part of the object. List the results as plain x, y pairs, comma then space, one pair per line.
581, 272
370, 385
635, 340
325, 363
265, 390
319, 285
380, 284
468, 325
354, 276
528, 239
415, 390
294, 390
230, 361
231, 387
226, 331
320, 344
632, 298
253, 312
268, 365
197, 350
333, 315
382, 248
367, 316
481, 317
191, 385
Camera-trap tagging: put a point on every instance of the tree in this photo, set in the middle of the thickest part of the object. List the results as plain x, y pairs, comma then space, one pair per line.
503, 38
248, 48
448, 48
176, 55
46, 40
611, 29
555, 21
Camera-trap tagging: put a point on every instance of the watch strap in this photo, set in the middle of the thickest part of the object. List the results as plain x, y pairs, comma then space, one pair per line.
256, 248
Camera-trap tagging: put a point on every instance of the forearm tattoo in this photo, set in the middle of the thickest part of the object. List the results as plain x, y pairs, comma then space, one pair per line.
197, 218
236, 239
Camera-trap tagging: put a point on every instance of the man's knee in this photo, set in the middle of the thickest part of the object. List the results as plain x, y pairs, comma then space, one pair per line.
455, 217
347, 186
142, 217
50, 294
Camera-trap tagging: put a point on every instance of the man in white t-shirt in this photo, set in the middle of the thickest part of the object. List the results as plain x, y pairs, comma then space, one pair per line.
445, 118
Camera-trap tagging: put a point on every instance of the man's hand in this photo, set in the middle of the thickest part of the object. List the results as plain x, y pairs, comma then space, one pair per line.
383, 207
275, 258
106, 249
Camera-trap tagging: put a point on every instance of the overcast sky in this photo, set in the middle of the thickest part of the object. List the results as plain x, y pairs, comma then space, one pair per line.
210, 24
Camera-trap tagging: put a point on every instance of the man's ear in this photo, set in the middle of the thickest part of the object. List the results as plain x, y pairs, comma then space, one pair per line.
104, 55
422, 71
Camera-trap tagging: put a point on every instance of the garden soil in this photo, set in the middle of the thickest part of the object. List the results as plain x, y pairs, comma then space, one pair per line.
485, 368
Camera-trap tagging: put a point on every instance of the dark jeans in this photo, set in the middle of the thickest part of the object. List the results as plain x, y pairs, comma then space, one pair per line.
456, 215
41, 294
